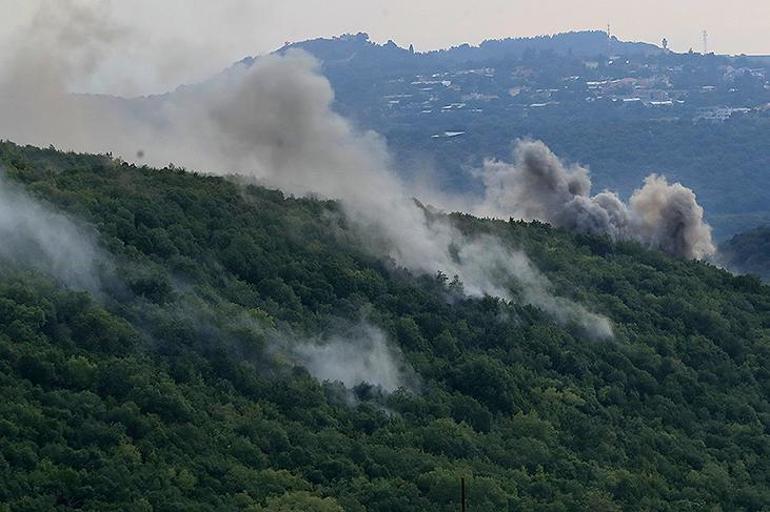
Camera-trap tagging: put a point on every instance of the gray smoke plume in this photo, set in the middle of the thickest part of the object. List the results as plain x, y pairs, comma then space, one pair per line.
64, 42
540, 186
274, 121
669, 217
364, 358
34, 236
271, 122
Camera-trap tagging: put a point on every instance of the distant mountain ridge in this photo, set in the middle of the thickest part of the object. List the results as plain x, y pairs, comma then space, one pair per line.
359, 48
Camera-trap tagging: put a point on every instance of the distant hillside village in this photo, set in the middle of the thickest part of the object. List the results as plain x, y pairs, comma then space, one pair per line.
625, 109
575, 71
653, 83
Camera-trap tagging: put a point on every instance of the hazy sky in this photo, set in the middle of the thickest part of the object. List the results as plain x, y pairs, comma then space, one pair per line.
174, 41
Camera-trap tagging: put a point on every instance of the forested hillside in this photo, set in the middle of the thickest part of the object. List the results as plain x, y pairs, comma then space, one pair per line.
170, 385
748, 252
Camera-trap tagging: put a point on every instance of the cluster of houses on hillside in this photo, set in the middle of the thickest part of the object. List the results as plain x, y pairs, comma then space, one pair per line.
711, 93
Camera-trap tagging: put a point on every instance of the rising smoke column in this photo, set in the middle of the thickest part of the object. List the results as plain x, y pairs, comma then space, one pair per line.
539, 186
275, 119
271, 122
669, 217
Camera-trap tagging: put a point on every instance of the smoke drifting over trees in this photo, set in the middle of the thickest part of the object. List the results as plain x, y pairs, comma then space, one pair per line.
540, 186
365, 357
34, 235
272, 122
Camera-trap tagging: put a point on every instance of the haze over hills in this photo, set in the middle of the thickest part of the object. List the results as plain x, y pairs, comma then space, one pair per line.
285, 318
625, 117
443, 113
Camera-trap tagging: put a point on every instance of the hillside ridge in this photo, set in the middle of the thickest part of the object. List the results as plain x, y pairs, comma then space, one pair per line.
201, 376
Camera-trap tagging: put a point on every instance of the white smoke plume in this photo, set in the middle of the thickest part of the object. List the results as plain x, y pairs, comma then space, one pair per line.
365, 357
32, 235
486, 261
272, 122
540, 186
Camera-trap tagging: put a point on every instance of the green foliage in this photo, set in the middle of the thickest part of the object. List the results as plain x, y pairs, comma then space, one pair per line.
162, 394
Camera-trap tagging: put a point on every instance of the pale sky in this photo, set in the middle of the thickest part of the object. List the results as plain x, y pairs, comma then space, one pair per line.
177, 41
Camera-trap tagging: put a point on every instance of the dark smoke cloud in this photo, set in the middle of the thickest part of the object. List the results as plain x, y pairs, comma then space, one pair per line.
538, 185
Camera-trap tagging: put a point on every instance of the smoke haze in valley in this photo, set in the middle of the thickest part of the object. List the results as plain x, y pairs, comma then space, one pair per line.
271, 121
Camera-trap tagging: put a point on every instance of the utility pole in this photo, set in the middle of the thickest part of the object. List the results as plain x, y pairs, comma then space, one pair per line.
705, 43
